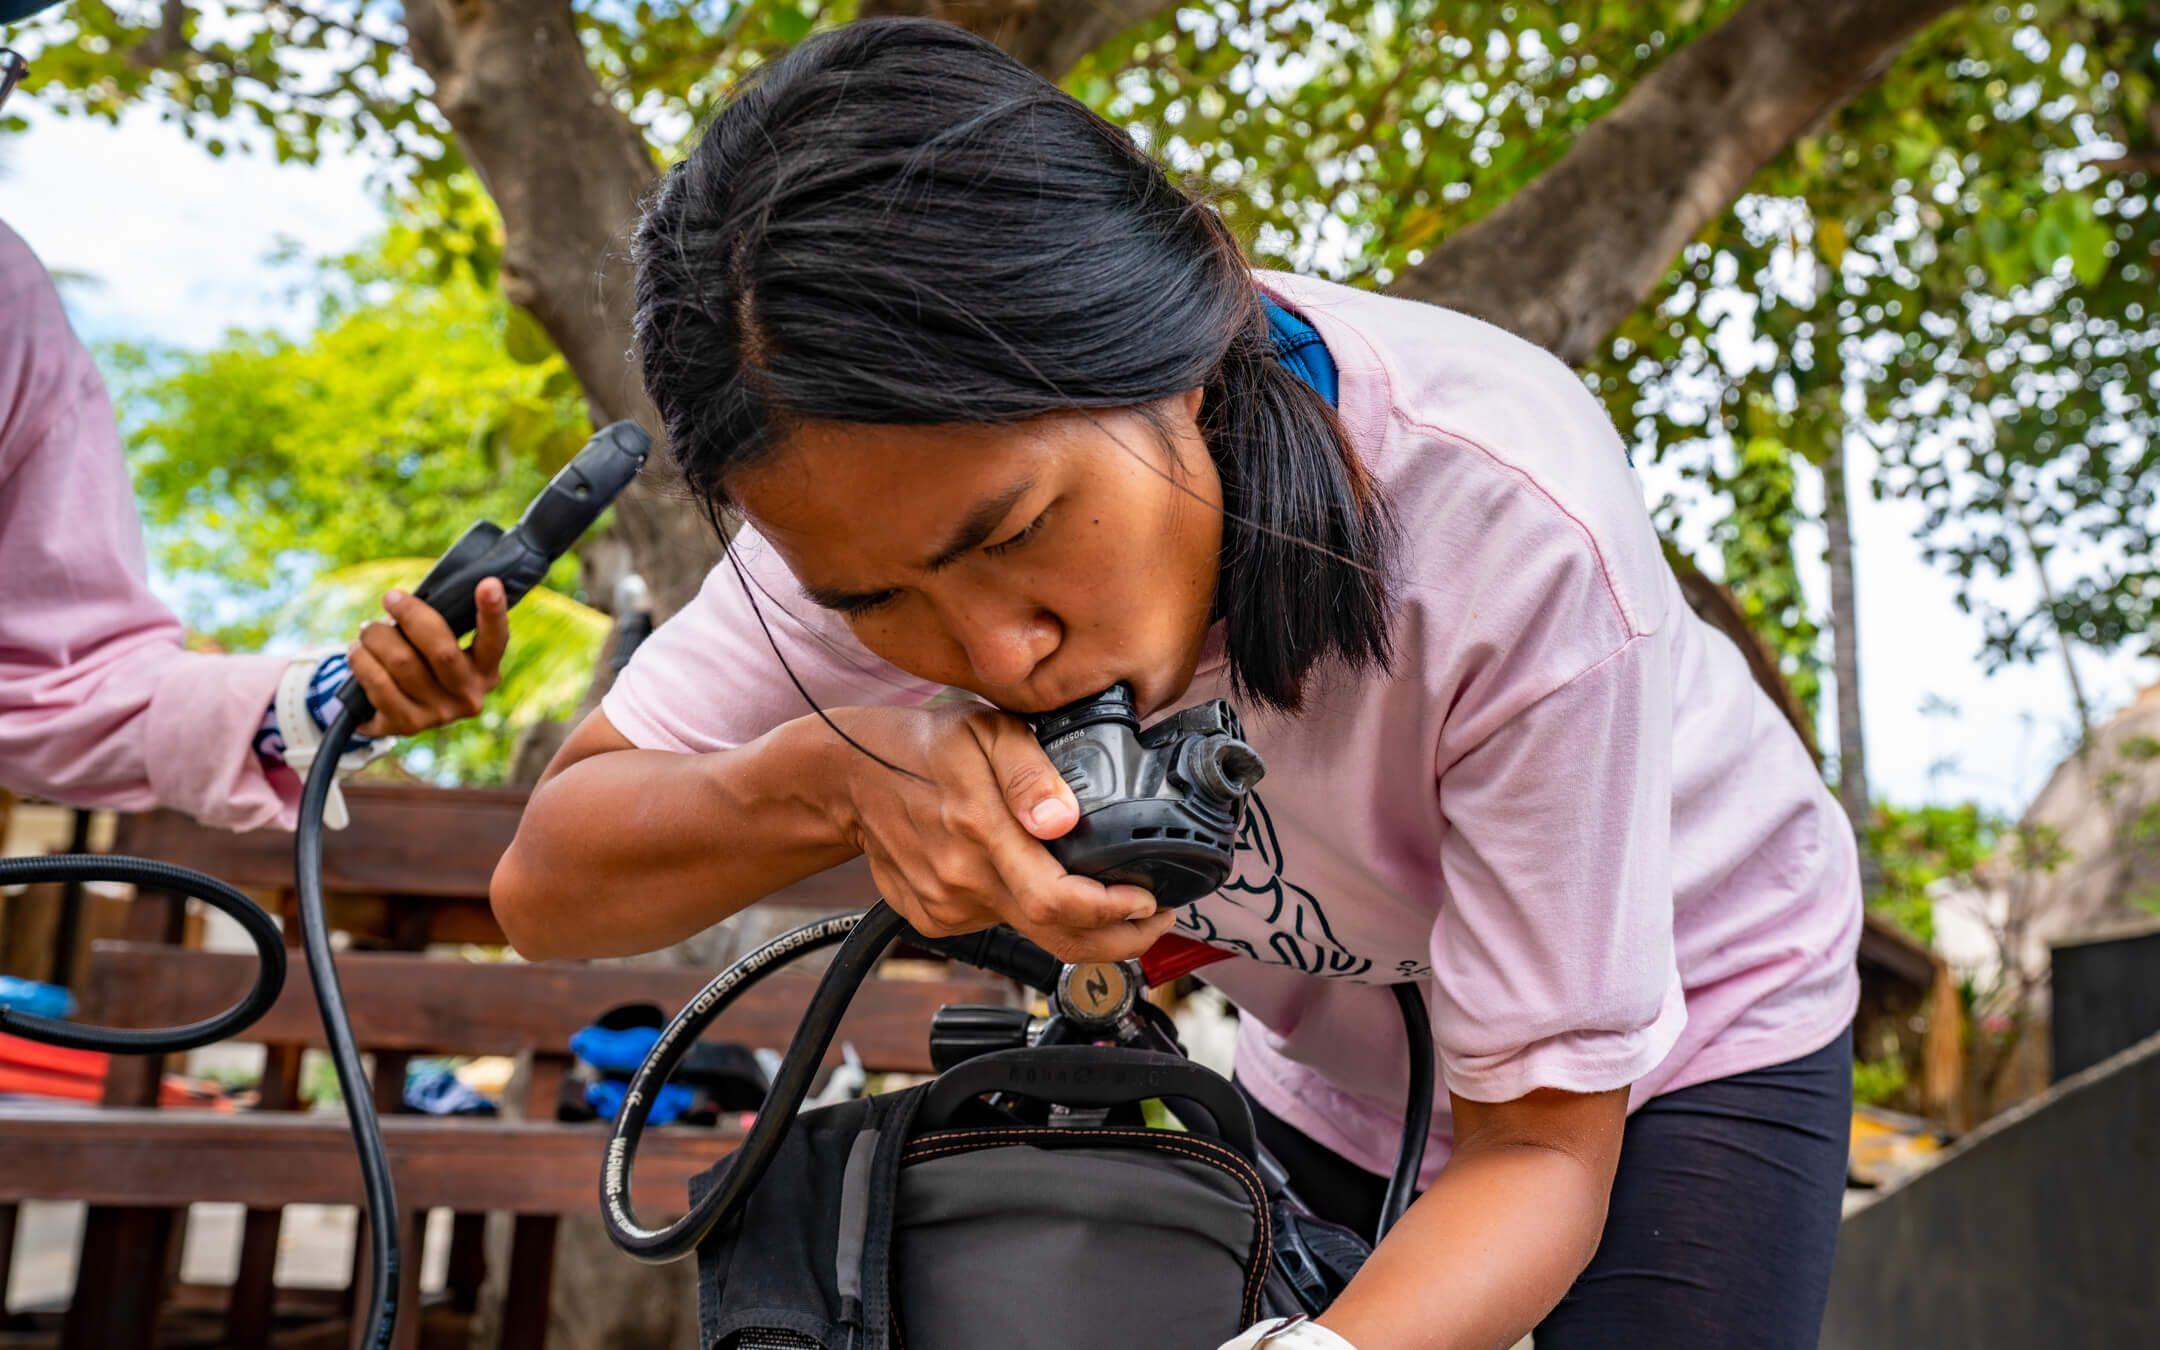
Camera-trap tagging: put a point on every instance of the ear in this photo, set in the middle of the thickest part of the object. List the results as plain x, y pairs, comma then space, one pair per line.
1189, 403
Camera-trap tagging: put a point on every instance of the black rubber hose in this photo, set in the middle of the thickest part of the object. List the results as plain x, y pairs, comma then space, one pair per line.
863, 938
1417, 1110
261, 930
1001, 951
382, 1210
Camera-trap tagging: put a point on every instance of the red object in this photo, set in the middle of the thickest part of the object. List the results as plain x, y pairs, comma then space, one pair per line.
32, 1068
18, 1053
1172, 957
43, 1083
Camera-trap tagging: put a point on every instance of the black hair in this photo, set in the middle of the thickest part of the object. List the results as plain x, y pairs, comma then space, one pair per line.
897, 223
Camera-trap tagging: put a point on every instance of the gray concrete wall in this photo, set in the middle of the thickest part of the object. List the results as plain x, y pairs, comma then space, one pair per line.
2104, 997
2040, 1229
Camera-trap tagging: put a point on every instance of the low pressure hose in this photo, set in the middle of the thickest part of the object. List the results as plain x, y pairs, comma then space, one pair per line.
145, 872
352, 1077
518, 558
1417, 1109
863, 938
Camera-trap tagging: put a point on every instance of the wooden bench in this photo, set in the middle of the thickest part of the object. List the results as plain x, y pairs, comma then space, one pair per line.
404, 1005
412, 871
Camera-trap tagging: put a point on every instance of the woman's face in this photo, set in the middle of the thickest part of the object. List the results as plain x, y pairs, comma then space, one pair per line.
1031, 563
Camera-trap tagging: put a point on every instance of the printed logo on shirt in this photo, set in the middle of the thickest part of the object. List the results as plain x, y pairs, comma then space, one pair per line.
1297, 932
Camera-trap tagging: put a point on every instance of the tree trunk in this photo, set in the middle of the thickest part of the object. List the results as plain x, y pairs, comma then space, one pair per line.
1562, 263
1566, 259
2063, 641
1845, 640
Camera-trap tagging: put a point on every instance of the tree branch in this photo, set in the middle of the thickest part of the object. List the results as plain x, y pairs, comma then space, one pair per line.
168, 41
1050, 36
1566, 259
330, 23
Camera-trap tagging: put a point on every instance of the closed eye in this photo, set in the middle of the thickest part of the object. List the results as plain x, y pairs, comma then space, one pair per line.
855, 606
1034, 528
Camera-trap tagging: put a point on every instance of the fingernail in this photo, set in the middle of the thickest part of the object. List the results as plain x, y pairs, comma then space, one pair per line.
1047, 813
393, 597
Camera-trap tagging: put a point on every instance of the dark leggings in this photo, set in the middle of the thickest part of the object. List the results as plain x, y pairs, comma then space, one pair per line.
1724, 1211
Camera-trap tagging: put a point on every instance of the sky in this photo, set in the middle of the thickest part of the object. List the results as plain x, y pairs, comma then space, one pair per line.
177, 246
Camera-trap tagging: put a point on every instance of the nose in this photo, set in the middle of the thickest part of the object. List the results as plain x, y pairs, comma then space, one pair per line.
1003, 643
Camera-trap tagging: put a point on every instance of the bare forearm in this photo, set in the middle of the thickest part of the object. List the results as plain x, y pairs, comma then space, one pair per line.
1481, 1257
629, 851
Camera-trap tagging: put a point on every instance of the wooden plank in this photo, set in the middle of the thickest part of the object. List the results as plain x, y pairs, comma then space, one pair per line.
407, 1003
121, 1281
127, 1249
251, 1307
530, 1285
8, 1213
404, 840
468, 1260
460, 920
108, 1156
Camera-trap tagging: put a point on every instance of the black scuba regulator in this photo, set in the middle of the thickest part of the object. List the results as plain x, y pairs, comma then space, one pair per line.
1159, 808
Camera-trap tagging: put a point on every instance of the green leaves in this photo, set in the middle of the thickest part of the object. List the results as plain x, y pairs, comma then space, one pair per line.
267, 461
1982, 315
791, 24
524, 339
1917, 847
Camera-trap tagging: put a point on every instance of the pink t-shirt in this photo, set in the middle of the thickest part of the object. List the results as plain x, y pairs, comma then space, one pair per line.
100, 703
1568, 812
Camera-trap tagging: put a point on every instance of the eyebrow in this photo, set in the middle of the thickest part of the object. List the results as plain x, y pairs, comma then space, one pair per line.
973, 529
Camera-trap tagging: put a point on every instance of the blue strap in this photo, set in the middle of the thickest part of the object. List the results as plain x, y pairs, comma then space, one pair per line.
1298, 347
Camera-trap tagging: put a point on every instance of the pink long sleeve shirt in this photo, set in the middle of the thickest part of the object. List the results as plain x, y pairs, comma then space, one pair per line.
100, 703
1568, 813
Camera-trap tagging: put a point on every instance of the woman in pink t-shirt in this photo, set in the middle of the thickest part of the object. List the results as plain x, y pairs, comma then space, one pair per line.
1011, 418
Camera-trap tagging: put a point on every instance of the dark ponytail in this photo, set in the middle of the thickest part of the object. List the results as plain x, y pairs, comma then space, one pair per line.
897, 223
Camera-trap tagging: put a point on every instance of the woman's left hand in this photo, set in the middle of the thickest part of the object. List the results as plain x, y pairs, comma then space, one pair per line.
415, 673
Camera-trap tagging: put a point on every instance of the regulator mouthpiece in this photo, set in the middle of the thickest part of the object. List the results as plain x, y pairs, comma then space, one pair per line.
1159, 808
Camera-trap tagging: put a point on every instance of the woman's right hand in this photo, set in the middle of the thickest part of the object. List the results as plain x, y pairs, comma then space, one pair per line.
958, 847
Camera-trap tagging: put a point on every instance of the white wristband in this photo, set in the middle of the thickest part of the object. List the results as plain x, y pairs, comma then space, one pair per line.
303, 739
1289, 1333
